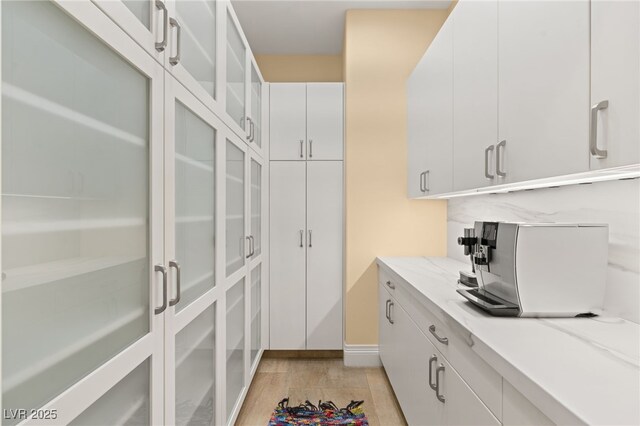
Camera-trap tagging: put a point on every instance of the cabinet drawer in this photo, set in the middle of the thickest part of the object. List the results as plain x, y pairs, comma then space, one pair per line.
386, 280
480, 376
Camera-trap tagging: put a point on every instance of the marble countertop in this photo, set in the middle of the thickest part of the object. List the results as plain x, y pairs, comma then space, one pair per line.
575, 370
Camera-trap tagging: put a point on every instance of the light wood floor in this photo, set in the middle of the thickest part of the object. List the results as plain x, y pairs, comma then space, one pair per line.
315, 379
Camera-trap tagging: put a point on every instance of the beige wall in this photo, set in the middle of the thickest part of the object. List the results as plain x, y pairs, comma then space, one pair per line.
300, 68
381, 49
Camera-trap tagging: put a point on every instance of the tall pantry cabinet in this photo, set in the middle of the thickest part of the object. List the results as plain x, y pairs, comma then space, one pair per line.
133, 286
306, 215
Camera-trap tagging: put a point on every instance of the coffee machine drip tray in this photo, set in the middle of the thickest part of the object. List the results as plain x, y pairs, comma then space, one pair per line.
490, 303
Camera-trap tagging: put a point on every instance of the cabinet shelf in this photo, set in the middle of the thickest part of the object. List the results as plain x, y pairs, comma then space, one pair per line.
32, 100
194, 219
44, 273
231, 178
128, 414
235, 261
43, 227
13, 380
193, 162
195, 282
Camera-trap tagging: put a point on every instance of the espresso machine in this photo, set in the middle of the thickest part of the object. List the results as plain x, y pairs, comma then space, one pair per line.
469, 242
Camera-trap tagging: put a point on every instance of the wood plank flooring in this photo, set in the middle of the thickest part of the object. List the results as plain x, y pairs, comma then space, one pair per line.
314, 379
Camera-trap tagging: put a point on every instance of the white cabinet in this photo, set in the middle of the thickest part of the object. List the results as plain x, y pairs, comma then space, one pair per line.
306, 261
428, 388
324, 254
307, 121
615, 78
475, 93
543, 86
133, 239
431, 124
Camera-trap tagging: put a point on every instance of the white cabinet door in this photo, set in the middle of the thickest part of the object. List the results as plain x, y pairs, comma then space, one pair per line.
288, 127
615, 77
461, 406
287, 254
543, 88
325, 116
236, 75
324, 254
416, 130
411, 370
438, 92
475, 93
385, 338
81, 215
254, 138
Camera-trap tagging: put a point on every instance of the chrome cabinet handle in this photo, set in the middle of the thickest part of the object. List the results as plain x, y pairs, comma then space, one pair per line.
253, 132
248, 137
386, 309
165, 23
252, 245
301, 237
432, 358
248, 241
173, 60
426, 181
301, 148
443, 340
390, 306
438, 370
390, 285
422, 182
176, 265
163, 269
310, 148
486, 162
310, 245
499, 170
593, 130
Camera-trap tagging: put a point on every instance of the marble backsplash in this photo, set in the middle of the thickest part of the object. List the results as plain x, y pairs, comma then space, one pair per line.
616, 203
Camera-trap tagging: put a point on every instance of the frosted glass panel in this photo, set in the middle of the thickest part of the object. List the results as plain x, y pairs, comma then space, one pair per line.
127, 403
256, 309
236, 57
141, 9
75, 191
235, 209
195, 370
235, 344
197, 19
256, 206
256, 105
195, 204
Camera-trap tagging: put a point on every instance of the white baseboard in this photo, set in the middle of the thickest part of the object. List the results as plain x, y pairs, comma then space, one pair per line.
361, 356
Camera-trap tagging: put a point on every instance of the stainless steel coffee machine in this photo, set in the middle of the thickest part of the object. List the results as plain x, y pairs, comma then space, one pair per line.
538, 270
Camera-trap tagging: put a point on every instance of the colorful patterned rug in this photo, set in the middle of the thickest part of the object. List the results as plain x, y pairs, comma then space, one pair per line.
325, 413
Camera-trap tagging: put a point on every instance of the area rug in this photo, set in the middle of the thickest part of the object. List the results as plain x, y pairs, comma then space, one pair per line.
325, 413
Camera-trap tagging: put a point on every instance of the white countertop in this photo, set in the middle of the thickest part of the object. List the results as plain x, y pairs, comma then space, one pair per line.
575, 370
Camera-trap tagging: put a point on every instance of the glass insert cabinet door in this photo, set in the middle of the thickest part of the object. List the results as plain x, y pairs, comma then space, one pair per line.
256, 312
195, 20
235, 345
255, 243
235, 208
236, 74
79, 240
256, 107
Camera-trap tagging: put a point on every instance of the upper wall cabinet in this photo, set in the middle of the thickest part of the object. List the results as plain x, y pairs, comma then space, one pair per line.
543, 69
615, 83
540, 90
306, 121
475, 94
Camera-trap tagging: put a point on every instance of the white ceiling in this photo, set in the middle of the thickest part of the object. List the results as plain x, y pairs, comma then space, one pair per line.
307, 27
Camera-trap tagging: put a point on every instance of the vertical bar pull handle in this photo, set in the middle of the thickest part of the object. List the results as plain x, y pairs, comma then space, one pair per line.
390, 319
301, 238
438, 394
253, 132
249, 242
249, 132
176, 265
252, 245
301, 148
163, 270
422, 182
433, 358
310, 148
487, 151
173, 60
499, 170
310, 245
165, 23
593, 130
386, 309
426, 181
